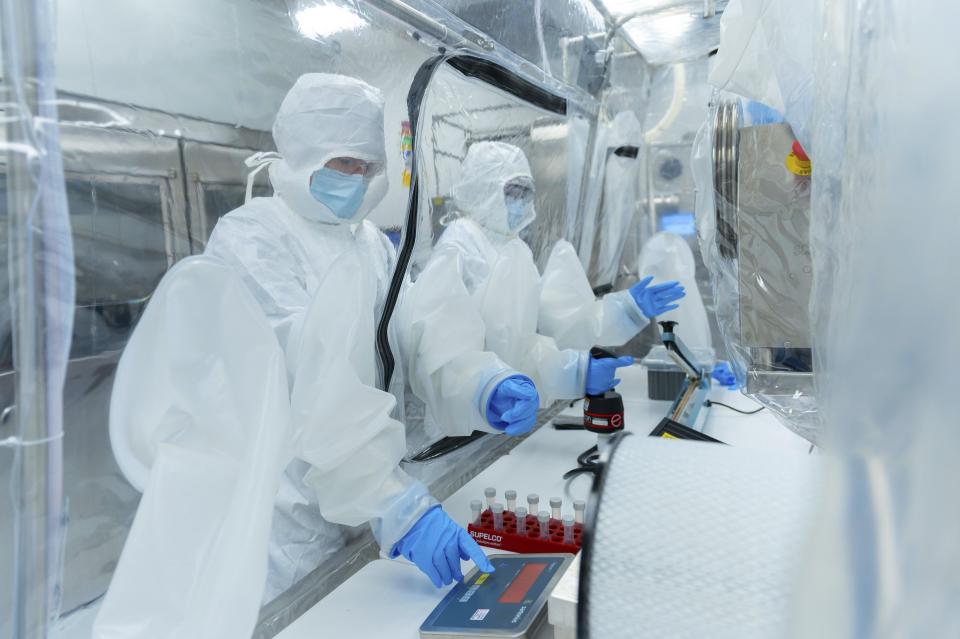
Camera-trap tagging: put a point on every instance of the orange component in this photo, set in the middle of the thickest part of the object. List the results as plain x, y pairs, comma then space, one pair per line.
799, 152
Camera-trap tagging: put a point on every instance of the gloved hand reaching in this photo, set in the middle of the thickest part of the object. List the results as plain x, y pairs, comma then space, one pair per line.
656, 300
724, 375
513, 405
436, 544
600, 373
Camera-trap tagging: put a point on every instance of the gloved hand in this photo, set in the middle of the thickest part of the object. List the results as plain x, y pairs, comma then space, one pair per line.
655, 300
724, 376
436, 544
513, 405
600, 373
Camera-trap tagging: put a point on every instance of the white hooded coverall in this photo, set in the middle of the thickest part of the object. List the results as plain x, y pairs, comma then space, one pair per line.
320, 283
284, 245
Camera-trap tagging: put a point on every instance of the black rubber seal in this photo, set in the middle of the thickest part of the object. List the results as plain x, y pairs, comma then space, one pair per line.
506, 80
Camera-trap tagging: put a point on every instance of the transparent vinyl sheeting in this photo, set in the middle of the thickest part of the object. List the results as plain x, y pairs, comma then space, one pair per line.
35, 326
881, 557
884, 556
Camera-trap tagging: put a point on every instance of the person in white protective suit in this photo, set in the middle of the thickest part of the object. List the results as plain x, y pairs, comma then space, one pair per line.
543, 326
307, 256
328, 175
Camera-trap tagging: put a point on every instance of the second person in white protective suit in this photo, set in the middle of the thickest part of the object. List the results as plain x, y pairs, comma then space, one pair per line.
327, 176
541, 325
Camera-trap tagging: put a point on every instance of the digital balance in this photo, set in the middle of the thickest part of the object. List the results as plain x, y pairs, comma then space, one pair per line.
509, 602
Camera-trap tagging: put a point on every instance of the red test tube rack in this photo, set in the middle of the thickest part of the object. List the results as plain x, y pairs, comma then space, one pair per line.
486, 534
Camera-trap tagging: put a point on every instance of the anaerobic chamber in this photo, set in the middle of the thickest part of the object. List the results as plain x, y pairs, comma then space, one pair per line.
152, 147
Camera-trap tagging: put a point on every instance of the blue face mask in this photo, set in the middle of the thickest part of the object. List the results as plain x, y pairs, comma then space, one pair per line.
516, 212
340, 193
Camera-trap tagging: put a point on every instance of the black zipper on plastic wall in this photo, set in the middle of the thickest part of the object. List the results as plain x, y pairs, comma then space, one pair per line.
498, 77
418, 88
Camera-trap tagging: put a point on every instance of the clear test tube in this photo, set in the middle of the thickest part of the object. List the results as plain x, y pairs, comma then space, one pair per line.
544, 520
579, 508
511, 497
476, 506
521, 520
568, 529
490, 494
533, 503
555, 504
497, 516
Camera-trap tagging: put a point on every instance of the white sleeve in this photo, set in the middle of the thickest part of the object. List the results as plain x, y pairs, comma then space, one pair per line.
570, 313
342, 426
266, 265
558, 373
440, 336
199, 421
467, 239
508, 302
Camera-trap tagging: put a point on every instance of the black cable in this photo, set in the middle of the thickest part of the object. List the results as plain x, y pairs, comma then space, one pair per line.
445, 446
586, 458
559, 426
567, 422
580, 471
587, 462
710, 402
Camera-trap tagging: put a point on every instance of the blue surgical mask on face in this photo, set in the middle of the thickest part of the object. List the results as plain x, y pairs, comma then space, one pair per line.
516, 212
340, 193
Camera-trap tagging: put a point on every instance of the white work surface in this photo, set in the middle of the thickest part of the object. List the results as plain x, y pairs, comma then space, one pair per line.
390, 599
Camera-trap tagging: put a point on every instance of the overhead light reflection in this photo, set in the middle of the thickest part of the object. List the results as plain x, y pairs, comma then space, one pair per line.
323, 21
625, 7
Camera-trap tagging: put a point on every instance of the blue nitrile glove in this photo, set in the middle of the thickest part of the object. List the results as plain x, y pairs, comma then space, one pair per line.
656, 300
436, 544
513, 405
600, 373
724, 375
759, 113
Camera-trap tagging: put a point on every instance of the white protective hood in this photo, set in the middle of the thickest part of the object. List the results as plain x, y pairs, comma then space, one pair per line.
478, 194
322, 117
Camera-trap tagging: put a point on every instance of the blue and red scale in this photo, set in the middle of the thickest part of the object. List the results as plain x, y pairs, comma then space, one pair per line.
509, 602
